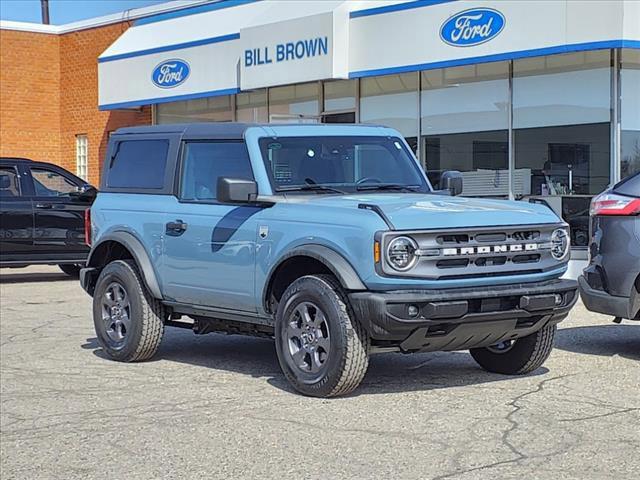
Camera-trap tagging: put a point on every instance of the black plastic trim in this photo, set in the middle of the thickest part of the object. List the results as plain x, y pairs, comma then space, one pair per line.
88, 277
336, 263
379, 211
602, 302
374, 309
139, 254
219, 313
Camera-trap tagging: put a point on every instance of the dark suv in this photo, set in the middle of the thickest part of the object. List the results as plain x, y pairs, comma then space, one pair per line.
42, 210
611, 282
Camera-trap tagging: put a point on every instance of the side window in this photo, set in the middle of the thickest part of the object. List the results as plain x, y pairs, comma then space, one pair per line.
9, 183
138, 164
204, 162
48, 183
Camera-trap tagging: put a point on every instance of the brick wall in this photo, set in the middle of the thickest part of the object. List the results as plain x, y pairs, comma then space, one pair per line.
49, 94
30, 95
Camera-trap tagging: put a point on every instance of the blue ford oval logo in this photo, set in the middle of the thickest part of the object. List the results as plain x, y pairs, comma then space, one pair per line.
170, 73
472, 27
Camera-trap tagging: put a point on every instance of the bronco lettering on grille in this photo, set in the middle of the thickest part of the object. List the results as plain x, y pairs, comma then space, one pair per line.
526, 247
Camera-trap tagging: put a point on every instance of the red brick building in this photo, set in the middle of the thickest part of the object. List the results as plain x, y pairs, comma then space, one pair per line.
49, 90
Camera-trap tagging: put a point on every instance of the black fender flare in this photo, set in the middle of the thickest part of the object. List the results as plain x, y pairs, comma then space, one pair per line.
335, 262
139, 254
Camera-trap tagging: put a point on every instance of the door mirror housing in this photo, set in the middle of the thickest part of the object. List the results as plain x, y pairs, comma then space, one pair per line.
85, 193
450, 183
236, 190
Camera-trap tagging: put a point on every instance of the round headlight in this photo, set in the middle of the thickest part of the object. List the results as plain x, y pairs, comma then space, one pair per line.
560, 243
401, 253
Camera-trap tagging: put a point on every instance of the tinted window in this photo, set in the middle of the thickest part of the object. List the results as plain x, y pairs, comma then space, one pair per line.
139, 164
9, 182
204, 162
629, 186
48, 183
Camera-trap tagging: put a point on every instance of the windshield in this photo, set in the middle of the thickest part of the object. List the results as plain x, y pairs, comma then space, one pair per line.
341, 164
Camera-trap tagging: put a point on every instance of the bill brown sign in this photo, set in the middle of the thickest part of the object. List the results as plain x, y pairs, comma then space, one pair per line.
294, 51
287, 51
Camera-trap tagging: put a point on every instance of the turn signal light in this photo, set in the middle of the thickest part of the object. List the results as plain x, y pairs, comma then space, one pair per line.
87, 226
612, 204
376, 252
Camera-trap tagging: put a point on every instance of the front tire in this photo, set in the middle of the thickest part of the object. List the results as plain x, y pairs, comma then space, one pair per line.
322, 348
129, 322
521, 356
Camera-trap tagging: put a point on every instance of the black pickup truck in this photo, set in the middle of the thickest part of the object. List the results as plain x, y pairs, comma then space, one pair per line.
42, 215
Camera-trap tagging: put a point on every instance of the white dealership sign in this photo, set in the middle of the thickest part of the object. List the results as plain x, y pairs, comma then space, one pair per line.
454, 33
261, 44
295, 51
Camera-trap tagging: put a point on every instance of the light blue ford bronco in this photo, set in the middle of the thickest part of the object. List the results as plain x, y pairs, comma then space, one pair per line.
330, 239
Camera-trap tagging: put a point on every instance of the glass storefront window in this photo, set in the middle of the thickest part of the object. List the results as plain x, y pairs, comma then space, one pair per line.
340, 95
630, 113
392, 100
210, 109
251, 107
458, 119
465, 126
561, 128
295, 103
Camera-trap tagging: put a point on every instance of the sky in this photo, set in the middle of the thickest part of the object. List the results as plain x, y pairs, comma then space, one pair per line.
66, 11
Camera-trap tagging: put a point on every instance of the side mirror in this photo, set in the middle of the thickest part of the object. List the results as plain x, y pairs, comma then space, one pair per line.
85, 193
236, 190
451, 183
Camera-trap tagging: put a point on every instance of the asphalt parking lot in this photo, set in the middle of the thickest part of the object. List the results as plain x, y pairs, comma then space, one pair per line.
217, 406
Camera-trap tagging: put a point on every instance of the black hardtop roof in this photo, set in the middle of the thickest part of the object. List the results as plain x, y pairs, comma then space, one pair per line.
215, 129
229, 130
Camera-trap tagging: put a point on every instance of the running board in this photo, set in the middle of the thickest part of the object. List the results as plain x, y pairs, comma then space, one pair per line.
219, 313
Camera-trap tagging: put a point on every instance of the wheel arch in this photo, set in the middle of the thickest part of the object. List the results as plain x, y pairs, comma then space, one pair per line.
120, 245
308, 259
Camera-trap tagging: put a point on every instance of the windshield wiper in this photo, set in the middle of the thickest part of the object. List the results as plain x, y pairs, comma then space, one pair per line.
311, 188
388, 186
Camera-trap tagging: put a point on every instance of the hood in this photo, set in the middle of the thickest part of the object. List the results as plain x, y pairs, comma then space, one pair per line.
410, 211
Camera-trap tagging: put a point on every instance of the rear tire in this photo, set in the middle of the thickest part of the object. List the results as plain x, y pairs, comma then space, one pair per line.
129, 322
525, 355
71, 269
322, 348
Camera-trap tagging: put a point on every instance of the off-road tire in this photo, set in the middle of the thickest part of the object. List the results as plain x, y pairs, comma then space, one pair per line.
526, 355
147, 314
348, 359
71, 269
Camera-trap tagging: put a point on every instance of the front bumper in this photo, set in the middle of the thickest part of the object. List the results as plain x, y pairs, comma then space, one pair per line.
602, 302
462, 318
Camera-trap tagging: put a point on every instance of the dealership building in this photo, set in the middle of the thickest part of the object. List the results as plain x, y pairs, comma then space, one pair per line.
527, 99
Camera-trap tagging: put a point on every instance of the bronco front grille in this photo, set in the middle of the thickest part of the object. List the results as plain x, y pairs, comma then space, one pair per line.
478, 252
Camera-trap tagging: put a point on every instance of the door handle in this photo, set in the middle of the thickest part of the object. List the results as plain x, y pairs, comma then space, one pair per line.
44, 205
175, 228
